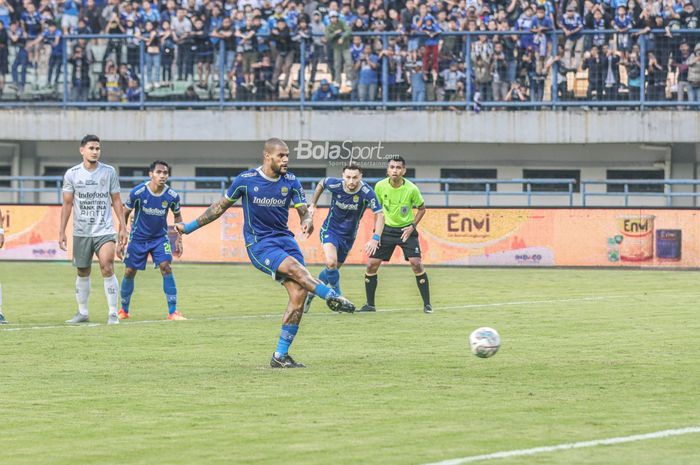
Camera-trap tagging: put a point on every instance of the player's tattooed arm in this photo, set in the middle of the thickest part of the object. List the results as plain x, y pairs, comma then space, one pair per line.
214, 211
307, 222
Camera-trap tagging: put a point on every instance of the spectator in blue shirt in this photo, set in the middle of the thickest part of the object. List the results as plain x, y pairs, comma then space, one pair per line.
69, 20
54, 38
622, 24
432, 39
572, 25
325, 92
541, 26
524, 23
368, 77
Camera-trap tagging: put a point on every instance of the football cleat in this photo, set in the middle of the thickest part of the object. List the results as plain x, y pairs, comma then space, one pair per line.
340, 304
428, 309
123, 315
3, 321
285, 361
176, 316
307, 302
113, 319
368, 308
78, 318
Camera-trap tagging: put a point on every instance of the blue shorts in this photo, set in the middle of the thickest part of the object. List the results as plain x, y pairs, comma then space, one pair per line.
267, 254
138, 250
342, 244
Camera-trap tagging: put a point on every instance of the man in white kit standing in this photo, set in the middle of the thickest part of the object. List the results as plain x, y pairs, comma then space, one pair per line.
91, 190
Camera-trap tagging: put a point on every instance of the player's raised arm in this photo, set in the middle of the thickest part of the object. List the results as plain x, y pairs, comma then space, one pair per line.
212, 213
235, 191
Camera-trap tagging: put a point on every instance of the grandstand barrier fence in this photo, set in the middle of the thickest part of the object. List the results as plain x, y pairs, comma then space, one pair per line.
546, 71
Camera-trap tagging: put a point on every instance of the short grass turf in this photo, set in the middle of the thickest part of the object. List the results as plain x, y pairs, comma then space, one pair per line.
586, 354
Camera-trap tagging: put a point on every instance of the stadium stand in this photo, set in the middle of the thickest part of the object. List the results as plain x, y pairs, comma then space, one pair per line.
480, 53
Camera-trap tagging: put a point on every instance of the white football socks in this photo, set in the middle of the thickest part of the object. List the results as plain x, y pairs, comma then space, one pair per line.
112, 293
82, 293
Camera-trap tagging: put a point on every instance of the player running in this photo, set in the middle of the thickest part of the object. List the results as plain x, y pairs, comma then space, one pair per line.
267, 192
350, 196
399, 197
90, 192
150, 202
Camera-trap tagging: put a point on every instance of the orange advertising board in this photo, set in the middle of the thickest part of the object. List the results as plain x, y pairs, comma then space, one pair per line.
449, 236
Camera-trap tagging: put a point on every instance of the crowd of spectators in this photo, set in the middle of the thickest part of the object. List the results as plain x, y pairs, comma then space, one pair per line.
259, 42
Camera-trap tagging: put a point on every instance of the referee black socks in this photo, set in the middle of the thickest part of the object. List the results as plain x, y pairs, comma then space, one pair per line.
423, 287
370, 288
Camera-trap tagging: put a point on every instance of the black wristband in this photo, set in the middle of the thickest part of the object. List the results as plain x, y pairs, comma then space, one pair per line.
415, 227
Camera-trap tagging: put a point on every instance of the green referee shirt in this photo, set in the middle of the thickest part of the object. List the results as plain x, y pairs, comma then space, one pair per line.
398, 202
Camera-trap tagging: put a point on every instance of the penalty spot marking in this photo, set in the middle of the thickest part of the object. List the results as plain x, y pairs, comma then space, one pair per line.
574, 445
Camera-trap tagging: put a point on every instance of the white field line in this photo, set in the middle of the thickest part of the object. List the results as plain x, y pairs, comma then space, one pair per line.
573, 445
24, 327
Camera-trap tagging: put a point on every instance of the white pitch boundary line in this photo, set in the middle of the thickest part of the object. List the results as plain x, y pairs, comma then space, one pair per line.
20, 327
574, 445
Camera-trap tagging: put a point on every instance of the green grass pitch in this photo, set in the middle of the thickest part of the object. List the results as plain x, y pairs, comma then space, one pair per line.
586, 354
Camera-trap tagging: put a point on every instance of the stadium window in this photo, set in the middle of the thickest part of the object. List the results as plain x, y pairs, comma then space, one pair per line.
316, 173
209, 171
54, 171
381, 173
127, 171
5, 171
552, 174
469, 173
635, 174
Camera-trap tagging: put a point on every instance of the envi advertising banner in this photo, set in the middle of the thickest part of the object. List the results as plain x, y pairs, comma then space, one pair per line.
449, 236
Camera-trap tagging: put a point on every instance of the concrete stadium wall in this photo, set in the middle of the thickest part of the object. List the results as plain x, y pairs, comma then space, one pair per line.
32, 140
515, 127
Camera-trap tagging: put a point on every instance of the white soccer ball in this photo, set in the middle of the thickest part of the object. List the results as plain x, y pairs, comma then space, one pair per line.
484, 342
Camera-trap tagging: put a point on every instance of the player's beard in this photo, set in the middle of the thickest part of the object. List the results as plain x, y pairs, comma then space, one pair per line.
280, 170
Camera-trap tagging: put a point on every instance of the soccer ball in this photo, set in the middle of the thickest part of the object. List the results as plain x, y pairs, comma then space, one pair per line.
484, 342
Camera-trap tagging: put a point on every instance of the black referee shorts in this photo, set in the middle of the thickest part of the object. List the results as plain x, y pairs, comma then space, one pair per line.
391, 237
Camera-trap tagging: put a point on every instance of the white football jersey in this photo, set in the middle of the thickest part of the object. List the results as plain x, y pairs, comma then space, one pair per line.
92, 199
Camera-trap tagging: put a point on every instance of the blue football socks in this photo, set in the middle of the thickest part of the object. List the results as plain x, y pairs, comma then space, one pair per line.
286, 338
126, 291
170, 292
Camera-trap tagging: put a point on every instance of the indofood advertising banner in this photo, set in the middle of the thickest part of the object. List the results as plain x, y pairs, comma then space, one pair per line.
449, 236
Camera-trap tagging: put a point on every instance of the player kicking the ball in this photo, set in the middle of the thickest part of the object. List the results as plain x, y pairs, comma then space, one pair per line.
150, 202
267, 192
350, 198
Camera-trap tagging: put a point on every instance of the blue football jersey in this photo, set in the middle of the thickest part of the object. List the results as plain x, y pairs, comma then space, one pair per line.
347, 208
150, 216
266, 203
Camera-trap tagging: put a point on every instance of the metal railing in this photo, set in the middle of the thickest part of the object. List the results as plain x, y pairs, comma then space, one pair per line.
529, 189
667, 193
218, 97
